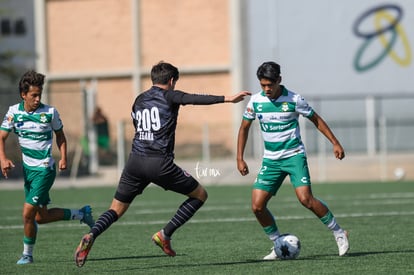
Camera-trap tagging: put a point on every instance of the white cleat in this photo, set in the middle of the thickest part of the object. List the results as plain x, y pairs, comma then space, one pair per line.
342, 242
272, 256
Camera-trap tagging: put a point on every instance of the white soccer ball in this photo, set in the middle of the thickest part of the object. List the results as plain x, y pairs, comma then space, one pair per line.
287, 247
399, 173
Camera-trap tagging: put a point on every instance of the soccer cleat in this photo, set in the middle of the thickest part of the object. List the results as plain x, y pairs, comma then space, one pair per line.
87, 216
271, 256
342, 242
25, 259
164, 244
83, 249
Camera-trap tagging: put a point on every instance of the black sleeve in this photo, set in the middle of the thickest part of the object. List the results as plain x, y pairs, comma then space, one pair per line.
182, 98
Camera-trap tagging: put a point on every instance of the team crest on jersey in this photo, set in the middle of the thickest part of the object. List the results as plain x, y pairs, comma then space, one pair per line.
43, 117
285, 107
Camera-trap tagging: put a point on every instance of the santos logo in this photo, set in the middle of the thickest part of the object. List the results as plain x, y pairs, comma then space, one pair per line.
381, 24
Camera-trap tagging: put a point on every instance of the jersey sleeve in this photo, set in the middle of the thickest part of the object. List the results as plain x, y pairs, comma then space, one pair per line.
182, 98
7, 124
303, 107
56, 121
249, 113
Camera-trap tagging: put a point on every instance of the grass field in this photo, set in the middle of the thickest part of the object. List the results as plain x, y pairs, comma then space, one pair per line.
223, 237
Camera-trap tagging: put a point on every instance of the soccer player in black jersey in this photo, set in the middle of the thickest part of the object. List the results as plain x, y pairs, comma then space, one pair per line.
154, 115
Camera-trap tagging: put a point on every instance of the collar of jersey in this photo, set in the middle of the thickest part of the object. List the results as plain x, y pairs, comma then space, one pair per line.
21, 107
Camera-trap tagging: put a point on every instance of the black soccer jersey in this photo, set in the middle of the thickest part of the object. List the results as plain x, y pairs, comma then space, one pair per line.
154, 115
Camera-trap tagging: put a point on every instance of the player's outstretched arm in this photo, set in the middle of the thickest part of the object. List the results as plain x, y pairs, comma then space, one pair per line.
237, 97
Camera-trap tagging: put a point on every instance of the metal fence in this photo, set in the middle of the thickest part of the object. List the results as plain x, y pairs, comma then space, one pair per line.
376, 127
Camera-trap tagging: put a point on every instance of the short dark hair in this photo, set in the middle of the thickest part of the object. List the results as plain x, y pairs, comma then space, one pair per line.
162, 72
31, 78
269, 70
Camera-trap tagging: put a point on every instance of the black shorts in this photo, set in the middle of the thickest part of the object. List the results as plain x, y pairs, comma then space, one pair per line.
140, 171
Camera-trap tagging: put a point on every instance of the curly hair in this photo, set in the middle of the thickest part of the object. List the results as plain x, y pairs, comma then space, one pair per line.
31, 78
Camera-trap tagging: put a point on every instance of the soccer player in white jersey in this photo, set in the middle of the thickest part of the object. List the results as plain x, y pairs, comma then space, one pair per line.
34, 124
278, 110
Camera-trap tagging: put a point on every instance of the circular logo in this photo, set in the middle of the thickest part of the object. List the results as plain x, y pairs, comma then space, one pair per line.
387, 34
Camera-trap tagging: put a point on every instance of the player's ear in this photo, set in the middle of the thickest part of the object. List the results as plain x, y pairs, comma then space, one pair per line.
171, 82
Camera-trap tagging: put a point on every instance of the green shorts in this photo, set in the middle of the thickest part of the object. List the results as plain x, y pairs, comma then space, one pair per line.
273, 172
37, 184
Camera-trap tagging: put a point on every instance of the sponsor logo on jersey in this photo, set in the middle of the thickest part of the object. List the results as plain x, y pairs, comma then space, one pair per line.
279, 127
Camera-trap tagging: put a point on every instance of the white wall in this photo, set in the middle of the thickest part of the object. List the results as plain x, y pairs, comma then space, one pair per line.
315, 44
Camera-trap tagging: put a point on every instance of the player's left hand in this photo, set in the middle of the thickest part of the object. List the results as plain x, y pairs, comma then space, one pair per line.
62, 165
338, 151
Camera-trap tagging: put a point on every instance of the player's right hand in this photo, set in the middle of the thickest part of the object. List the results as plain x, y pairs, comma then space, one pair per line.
6, 166
237, 97
242, 167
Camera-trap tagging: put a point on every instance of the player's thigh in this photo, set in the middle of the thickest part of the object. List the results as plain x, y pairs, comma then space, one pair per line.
134, 179
298, 170
270, 176
174, 178
37, 186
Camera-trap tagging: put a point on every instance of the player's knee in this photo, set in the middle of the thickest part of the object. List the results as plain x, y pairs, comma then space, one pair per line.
306, 201
258, 209
203, 195
40, 220
199, 193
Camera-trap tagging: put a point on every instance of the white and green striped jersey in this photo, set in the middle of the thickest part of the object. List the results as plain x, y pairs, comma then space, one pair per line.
279, 122
35, 133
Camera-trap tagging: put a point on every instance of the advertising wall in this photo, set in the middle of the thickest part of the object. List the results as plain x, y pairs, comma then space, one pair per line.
334, 47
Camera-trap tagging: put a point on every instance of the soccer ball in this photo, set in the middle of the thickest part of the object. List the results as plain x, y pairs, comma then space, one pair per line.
287, 247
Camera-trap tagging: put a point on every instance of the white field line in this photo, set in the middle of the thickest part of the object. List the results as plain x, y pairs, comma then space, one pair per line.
380, 199
277, 206
232, 220
372, 199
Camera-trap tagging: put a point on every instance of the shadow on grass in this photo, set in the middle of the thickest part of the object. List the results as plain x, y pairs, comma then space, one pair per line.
125, 258
159, 266
323, 257
355, 254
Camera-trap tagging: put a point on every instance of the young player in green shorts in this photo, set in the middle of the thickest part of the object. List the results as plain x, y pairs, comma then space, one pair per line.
34, 124
278, 110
